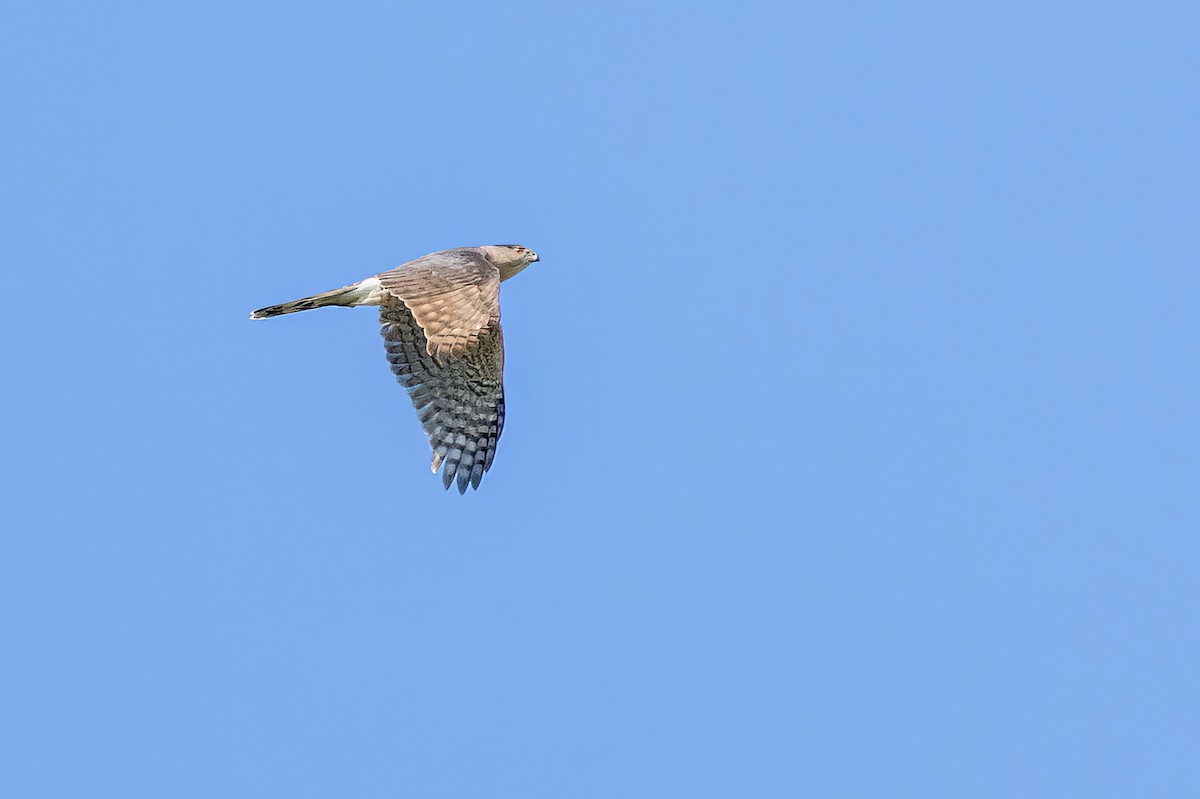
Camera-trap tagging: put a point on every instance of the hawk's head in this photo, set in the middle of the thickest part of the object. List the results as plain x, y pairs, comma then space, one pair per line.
509, 258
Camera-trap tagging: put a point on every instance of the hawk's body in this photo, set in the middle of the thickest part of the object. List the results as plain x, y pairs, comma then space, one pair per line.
440, 317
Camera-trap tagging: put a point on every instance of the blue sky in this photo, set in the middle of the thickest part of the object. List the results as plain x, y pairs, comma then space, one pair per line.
852, 441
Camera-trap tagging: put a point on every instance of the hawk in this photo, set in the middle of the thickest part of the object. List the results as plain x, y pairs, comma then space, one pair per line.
440, 321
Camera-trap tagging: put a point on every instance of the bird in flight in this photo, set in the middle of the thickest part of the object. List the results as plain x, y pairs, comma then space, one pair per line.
440, 321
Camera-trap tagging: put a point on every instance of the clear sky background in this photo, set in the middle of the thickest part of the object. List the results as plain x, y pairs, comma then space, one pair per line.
852, 444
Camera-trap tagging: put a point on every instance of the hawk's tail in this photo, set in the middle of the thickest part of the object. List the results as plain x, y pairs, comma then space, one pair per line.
348, 296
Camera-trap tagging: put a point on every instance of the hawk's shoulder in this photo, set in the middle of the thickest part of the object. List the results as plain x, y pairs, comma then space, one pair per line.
453, 295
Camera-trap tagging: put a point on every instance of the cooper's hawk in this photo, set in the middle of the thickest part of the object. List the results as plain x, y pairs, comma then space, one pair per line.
440, 317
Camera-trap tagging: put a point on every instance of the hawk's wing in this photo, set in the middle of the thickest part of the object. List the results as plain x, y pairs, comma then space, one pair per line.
441, 328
